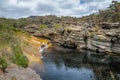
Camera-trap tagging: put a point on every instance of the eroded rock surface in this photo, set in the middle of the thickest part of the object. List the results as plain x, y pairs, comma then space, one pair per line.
31, 28
20, 74
80, 38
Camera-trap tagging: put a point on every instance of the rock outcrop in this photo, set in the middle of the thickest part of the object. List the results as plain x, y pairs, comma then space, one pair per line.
79, 38
48, 33
20, 74
105, 42
106, 25
31, 28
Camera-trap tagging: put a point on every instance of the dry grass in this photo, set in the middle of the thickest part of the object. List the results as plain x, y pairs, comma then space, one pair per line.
31, 49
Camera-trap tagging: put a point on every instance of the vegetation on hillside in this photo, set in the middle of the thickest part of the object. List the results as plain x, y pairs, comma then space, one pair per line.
10, 51
111, 14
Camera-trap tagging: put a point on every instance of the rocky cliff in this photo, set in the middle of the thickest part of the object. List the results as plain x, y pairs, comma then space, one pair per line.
105, 42
77, 38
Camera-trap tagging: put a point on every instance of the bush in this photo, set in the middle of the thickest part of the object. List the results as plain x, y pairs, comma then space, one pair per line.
43, 26
19, 58
3, 64
57, 25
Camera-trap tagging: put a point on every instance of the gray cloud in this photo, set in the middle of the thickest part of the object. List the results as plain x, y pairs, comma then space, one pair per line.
25, 8
46, 8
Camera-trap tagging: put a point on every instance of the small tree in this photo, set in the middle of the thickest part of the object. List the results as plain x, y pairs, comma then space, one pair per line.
3, 64
115, 9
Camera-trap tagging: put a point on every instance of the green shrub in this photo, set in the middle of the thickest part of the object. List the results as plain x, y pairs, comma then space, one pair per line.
19, 58
57, 25
43, 26
3, 64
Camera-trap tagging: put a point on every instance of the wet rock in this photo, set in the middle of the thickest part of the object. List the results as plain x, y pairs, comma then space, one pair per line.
100, 58
117, 76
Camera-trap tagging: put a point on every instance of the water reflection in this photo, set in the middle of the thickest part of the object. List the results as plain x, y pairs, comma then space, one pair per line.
65, 73
63, 65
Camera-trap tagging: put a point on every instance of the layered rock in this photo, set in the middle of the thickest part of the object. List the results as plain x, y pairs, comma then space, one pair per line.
31, 28
48, 33
107, 42
106, 25
71, 38
78, 38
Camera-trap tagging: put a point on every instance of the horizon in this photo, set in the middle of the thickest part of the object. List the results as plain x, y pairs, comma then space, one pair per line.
16, 9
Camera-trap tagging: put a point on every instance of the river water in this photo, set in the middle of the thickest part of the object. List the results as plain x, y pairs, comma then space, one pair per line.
64, 64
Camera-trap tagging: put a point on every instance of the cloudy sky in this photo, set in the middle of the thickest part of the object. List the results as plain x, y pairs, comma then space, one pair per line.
25, 8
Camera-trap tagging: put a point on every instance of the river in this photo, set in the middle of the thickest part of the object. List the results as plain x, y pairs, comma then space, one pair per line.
63, 64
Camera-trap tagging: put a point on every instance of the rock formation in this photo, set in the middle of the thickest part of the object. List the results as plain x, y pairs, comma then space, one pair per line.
20, 74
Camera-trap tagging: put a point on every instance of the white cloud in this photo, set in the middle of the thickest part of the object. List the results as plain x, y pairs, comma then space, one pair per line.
25, 8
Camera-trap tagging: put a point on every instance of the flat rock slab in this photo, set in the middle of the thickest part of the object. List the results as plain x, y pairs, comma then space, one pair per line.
20, 74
